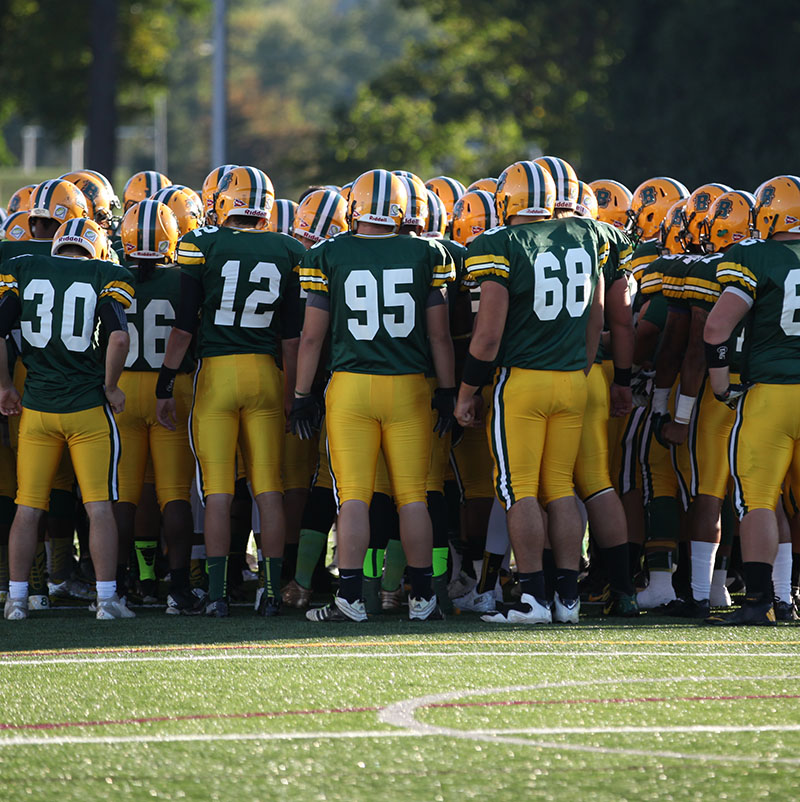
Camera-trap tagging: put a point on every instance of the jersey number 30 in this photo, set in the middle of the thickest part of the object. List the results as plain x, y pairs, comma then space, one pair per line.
77, 291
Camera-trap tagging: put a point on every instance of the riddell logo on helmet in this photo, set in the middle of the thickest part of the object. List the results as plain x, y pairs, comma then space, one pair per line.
237, 202
790, 220
71, 238
736, 236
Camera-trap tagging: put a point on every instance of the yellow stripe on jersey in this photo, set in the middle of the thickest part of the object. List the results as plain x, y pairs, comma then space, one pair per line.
489, 270
8, 283
189, 254
625, 255
119, 291
638, 265
672, 287
312, 279
700, 289
732, 273
651, 283
485, 259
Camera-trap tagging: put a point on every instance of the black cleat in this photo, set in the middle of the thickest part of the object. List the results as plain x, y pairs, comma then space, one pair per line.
217, 609
686, 608
786, 611
185, 602
269, 606
620, 605
751, 613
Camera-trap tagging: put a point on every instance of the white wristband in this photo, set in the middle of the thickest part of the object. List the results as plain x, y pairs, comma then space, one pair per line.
661, 399
684, 408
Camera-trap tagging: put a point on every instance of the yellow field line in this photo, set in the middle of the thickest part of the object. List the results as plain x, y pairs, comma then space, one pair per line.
398, 643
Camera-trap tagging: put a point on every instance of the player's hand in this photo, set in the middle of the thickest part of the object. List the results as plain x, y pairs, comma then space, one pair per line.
166, 413
675, 433
621, 400
10, 403
732, 395
116, 399
659, 421
467, 411
642, 387
304, 416
444, 402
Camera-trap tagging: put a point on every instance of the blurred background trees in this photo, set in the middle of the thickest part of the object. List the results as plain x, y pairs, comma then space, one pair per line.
322, 89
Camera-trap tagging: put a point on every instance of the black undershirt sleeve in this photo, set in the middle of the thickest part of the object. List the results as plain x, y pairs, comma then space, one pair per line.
291, 313
112, 316
319, 301
189, 305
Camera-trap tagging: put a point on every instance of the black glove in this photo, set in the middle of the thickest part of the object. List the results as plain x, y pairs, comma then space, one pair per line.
659, 419
305, 416
444, 402
732, 395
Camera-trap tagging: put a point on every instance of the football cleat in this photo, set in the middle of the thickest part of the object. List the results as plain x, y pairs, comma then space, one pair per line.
686, 608
475, 602
340, 610
751, 613
15, 609
651, 597
269, 606
295, 595
528, 610
217, 609
184, 602
148, 589
461, 585
70, 589
566, 611
785, 611
113, 608
39, 601
392, 599
371, 591
424, 609
621, 605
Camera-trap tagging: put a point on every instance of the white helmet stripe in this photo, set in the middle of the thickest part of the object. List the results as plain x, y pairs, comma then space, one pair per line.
330, 202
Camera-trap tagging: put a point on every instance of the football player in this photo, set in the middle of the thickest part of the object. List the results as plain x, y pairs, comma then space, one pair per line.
760, 280
382, 296
539, 318
69, 399
241, 280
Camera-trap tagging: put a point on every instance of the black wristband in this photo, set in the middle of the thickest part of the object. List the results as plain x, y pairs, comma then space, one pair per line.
476, 372
622, 377
717, 355
166, 381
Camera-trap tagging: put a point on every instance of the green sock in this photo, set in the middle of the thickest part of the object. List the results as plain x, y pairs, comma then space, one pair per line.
373, 563
37, 581
394, 564
311, 545
217, 568
440, 555
371, 592
146, 557
271, 569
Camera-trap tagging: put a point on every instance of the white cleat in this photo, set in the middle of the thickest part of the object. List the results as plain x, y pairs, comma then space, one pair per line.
720, 597
39, 601
650, 597
70, 589
424, 609
113, 608
566, 612
526, 611
475, 602
461, 585
15, 609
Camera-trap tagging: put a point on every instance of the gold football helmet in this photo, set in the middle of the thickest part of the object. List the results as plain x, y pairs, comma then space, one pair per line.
449, 190
777, 207
587, 201
486, 184
565, 179
149, 230
58, 199
437, 217
525, 188
669, 231
417, 208
143, 185
99, 198
378, 197
474, 213
20, 201
728, 221
650, 203
187, 210
211, 185
282, 215
613, 202
245, 192
321, 215
697, 207
85, 233
16, 227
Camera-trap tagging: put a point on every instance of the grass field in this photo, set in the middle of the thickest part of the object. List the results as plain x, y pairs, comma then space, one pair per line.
248, 708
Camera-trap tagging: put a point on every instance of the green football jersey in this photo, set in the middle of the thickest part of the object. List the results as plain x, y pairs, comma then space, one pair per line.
10, 248
151, 315
620, 253
644, 253
246, 277
550, 270
766, 273
656, 312
60, 299
378, 289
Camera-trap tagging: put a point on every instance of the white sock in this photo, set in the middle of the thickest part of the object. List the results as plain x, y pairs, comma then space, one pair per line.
660, 581
17, 590
782, 573
703, 557
497, 531
457, 560
105, 590
259, 555
199, 552
720, 578
477, 565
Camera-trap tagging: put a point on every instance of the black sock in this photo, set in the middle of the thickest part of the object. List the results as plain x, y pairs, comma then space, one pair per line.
549, 568
420, 579
289, 561
350, 581
795, 568
179, 579
533, 585
635, 551
567, 584
122, 580
490, 571
757, 581
617, 565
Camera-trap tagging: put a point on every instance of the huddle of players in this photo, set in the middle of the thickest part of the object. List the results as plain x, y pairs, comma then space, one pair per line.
546, 280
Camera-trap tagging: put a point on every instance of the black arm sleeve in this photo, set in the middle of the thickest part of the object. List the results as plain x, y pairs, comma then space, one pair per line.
319, 301
189, 304
112, 316
10, 310
291, 313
